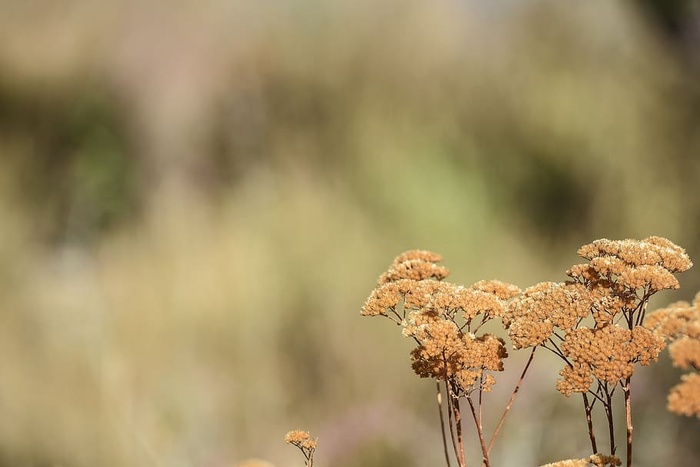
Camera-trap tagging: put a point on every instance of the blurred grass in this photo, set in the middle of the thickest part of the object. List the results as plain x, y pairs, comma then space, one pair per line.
196, 200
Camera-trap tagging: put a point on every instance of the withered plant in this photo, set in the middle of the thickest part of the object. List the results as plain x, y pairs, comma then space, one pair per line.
445, 321
594, 322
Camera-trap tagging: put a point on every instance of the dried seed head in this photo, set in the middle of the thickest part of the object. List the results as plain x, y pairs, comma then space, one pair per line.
415, 265
301, 439
531, 318
685, 353
608, 354
636, 264
684, 398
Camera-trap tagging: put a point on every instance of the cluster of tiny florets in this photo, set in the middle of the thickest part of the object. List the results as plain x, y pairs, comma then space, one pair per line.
684, 398
679, 323
607, 354
415, 265
596, 460
438, 316
532, 318
611, 288
301, 439
637, 264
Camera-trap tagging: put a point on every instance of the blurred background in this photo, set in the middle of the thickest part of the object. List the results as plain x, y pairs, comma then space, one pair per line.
197, 197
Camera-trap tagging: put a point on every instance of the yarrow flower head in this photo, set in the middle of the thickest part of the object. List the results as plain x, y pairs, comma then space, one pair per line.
679, 323
636, 264
684, 398
443, 318
532, 319
306, 444
607, 354
301, 439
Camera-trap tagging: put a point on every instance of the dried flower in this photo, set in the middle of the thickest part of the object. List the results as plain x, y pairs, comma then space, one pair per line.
637, 264
531, 319
684, 398
301, 439
415, 265
679, 323
306, 444
607, 353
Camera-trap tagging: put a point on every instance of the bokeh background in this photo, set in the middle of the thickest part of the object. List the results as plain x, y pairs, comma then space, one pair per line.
197, 197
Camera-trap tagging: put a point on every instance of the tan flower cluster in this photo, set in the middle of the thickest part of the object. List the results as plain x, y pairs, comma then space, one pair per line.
607, 354
445, 353
680, 324
637, 264
606, 288
438, 315
301, 439
684, 398
597, 460
415, 265
532, 318
680, 319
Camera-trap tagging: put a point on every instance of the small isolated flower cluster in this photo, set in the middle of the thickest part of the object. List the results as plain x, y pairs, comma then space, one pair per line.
443, 318
306, 444
596, 460
680, 324
301, 439
614, 285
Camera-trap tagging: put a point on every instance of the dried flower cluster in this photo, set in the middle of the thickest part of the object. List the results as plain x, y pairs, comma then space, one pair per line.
306, 444
596, 460
613, 288
595, 322
679, 323
442, 318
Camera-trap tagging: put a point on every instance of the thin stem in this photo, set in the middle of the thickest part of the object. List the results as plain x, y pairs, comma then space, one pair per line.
611, 420
450, 413
627, 389
480, 431
442, 424
588, 407
510, 402
458, 424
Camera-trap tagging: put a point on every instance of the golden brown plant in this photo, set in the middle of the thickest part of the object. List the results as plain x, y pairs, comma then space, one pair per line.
594, 322
306, 444
612, 289
444, 320
679, 323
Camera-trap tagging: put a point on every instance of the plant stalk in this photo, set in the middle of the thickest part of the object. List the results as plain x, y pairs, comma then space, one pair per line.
627, 389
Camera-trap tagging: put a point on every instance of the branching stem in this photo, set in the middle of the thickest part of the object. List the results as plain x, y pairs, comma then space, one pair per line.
510, 402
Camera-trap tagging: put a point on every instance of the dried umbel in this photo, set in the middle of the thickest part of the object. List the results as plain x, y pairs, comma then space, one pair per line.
594, 321
444, 321
612, 289
679, 323
443, 318
306, 444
